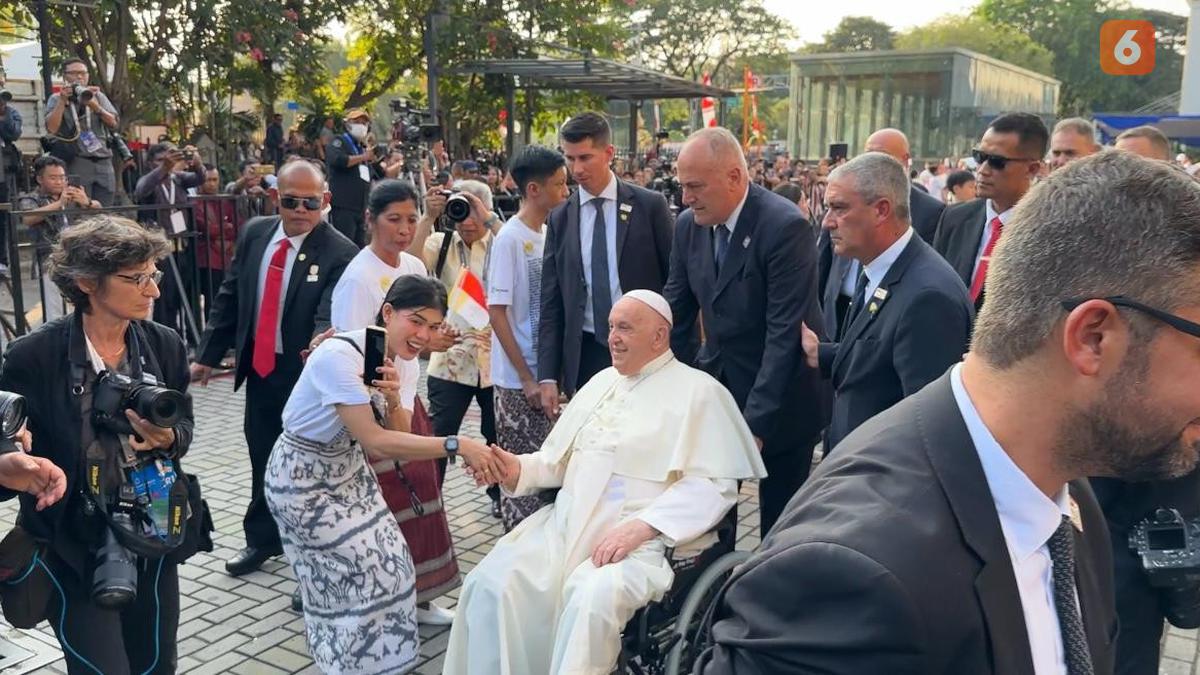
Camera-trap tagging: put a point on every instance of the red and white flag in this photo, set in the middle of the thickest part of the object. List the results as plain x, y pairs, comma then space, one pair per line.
469, 301
708, 106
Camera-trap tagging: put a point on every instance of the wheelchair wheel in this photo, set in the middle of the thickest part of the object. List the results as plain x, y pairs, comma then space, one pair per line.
689, 624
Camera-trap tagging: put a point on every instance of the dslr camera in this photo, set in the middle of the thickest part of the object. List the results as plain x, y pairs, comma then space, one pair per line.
458, 208
116, 393
78, 93
1169, 547
12, 418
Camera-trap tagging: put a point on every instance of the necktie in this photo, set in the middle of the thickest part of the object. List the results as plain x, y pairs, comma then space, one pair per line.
721, 233
1062, 555
601, 289
981, 270
268, 312
856, 303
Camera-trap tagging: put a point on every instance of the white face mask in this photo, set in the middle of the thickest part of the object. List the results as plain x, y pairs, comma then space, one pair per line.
358, 131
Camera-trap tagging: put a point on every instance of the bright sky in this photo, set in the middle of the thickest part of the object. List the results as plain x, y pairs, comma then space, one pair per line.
814, 18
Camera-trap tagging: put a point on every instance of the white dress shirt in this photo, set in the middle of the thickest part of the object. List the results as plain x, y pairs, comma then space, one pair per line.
731, 223
587, 224
987, 231
1028, 518
878, 268
293, 250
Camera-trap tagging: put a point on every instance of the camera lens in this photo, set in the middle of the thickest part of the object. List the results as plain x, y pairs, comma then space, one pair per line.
161, 407
458, 208
114, 581
12, 414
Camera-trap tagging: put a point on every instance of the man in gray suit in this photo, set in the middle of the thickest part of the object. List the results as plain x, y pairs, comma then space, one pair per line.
954, 533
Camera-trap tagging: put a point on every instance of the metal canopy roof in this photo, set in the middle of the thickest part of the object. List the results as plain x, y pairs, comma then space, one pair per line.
598, 76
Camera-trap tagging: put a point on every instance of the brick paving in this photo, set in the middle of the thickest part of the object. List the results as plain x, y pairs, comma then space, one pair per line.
245, 625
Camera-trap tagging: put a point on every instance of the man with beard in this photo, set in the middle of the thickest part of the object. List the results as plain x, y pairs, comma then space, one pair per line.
955, 533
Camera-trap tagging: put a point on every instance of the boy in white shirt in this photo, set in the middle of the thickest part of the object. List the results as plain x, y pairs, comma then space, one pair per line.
514, 301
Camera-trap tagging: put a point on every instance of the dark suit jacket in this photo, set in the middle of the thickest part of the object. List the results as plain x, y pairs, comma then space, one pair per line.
305, 306
643, 256
959, 234
919, 330
349, 191
924, 211
752, 313
891, 560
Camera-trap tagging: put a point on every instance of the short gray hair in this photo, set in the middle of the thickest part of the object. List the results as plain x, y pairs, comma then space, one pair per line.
720, 141
1079, 126
98, 247
477, 188
1156, 137
876, 176
1108, 224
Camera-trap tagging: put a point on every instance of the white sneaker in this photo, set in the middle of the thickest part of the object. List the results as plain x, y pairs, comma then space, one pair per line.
435, 616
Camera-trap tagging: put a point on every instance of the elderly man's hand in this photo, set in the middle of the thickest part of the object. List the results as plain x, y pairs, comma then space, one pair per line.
811, 344
619, 543
36, 475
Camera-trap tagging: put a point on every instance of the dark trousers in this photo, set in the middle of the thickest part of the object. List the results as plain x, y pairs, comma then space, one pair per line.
787, 469
350, 223
1138, 611
593, 358
117, 642
265, 398
448, 403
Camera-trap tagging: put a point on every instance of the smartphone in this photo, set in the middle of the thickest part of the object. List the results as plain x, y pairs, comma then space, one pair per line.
264, 169
373, 354
73, 181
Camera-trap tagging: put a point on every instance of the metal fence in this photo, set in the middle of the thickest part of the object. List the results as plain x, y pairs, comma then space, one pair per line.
203, 246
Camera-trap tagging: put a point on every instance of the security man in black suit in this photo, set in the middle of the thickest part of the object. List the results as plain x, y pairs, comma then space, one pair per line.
952, 533
284, 273
745, 261
609, 237
924, 213
1010, 157
351, 163
909, 318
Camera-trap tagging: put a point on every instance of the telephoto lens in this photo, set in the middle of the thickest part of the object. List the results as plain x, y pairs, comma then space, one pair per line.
114, 583
458, 208
161, 406
12, 418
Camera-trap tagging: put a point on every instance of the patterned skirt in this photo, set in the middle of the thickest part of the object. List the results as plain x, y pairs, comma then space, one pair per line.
520, 429
351, 561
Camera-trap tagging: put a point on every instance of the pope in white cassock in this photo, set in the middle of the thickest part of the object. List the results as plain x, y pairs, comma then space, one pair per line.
648, 455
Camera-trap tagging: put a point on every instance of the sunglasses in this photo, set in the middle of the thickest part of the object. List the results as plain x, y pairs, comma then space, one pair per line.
997, 162
310, 203
142, 279
1177, 322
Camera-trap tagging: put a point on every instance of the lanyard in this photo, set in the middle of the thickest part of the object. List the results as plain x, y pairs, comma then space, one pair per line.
353, 146
169, 193
464, 256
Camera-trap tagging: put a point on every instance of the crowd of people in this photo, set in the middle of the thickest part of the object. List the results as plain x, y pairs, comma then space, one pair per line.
978, 349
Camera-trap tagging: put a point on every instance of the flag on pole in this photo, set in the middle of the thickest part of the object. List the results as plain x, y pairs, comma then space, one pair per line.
469, 301
708, 106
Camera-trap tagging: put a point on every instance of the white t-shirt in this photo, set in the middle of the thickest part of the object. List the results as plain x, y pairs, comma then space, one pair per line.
515, 280
359, 294
333, 376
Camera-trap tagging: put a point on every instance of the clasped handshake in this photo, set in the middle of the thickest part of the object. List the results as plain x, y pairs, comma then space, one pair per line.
490, 464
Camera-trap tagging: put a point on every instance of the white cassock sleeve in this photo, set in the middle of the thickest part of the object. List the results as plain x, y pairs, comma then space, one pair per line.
538, 474
690, 507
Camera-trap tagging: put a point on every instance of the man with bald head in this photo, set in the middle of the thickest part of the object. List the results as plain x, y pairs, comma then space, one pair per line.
744, 260
274, 299
647, 455
924, 210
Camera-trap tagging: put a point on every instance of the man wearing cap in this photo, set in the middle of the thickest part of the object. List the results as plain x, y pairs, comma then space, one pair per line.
648, 455
351, 167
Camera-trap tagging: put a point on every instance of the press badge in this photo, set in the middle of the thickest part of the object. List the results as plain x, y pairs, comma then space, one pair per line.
153, 482
364, 172
178, 223
90, 142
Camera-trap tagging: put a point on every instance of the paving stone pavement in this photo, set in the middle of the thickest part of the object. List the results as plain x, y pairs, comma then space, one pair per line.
245, 625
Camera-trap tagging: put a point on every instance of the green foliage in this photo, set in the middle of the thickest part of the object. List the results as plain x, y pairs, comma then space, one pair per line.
857, 34
971, 31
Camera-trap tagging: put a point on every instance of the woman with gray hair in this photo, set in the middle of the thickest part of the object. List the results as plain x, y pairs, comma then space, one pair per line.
87, 564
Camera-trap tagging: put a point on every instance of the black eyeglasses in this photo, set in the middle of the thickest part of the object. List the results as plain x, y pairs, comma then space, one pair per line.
1177, 322
310, 203
142, 279
997, 162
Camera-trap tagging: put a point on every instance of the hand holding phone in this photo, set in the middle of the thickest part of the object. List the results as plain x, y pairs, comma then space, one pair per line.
374, 353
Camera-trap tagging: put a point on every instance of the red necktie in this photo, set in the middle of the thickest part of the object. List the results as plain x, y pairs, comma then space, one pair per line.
268, 312
981, 271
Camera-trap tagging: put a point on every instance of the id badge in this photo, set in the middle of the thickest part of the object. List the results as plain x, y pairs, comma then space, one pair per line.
153, 482
364, 172
90, 142
178, 223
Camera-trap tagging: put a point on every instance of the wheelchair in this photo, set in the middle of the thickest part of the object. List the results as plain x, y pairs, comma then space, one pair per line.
667, 636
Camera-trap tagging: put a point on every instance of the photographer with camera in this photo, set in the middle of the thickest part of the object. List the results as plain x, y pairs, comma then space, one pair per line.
351, 163
106, 391
457, 232
81, 120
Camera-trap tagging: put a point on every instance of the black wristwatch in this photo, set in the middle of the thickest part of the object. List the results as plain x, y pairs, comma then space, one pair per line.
450, 445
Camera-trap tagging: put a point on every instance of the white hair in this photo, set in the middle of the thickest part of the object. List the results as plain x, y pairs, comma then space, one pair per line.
477, 188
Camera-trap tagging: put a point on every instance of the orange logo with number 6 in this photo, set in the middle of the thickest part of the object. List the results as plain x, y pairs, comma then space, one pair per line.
1127, 47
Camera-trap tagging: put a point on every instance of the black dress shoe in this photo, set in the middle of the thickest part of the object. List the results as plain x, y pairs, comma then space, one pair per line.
297, 601
249, 559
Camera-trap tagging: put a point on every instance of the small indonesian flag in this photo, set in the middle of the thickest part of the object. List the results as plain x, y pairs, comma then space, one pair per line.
469, 301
